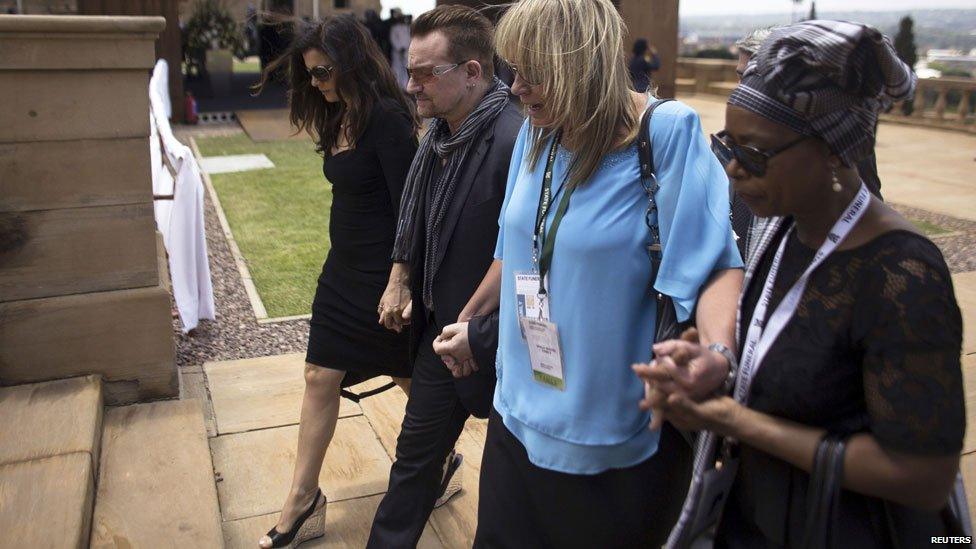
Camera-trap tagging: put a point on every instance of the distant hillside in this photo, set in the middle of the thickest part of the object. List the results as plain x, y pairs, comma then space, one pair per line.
933, 28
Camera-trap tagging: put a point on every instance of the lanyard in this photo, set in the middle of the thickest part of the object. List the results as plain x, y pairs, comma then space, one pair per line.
543, 258
760, 338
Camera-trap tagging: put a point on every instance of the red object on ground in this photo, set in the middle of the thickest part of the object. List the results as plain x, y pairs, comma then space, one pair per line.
190, 108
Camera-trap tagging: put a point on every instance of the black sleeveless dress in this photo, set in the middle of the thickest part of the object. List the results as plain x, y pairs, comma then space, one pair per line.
367, 182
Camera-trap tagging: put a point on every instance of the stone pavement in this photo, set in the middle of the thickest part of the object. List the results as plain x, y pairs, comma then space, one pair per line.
252, 408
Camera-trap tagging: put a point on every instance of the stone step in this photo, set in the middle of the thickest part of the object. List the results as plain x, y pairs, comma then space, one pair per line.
156, 482
48, 419
47, 502
125, 335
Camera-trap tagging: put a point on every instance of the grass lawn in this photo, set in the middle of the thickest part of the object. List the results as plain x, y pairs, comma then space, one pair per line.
279, 217
929, 229
249, 64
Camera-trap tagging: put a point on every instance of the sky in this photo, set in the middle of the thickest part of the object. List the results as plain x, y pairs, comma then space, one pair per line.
720, 7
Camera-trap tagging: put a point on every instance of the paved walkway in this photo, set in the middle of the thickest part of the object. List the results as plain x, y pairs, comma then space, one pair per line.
252, 408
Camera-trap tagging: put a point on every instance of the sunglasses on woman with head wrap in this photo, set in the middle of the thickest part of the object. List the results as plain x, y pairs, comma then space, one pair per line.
753, 160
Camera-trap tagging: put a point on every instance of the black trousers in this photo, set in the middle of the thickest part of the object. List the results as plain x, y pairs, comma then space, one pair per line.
522, 505
432, 424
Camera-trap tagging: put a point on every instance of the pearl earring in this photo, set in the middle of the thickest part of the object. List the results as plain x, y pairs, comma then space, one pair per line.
836, 187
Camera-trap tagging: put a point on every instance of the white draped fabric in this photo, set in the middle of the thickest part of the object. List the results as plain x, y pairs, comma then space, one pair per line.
180, 220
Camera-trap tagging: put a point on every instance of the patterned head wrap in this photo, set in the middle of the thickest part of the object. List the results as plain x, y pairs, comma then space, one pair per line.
828, 79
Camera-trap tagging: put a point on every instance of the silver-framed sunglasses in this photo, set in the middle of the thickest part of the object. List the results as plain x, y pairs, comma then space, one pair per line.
322, 73
422, 75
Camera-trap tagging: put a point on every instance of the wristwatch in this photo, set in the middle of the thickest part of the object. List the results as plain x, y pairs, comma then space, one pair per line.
726, 387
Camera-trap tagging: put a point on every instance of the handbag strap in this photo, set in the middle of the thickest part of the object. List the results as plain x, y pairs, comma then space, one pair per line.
648, 180
645, 155
823, 494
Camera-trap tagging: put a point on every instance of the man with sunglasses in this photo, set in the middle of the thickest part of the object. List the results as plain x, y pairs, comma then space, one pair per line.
445, 244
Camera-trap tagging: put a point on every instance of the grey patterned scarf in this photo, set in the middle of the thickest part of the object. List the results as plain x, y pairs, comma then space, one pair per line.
827, 79
437, 145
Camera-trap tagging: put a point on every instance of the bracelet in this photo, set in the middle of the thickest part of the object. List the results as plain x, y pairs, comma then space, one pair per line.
733, 366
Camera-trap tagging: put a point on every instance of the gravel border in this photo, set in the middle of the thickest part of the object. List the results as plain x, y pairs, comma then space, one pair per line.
236, 334
958, 246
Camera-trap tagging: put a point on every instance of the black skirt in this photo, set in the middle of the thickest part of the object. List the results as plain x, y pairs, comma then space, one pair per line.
523, 505
344, 333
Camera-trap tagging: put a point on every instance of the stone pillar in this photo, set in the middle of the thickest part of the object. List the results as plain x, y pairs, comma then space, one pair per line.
168, 47
657, 22
80, 285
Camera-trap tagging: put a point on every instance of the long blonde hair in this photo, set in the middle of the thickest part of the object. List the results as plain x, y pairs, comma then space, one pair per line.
573, 49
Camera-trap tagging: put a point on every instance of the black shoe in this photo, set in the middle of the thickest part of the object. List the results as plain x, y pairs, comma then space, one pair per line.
309, 525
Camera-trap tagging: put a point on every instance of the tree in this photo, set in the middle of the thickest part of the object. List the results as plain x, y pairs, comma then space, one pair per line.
905, 47
813, 11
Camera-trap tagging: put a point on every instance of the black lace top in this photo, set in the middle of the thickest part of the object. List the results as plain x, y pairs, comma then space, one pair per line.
873, 347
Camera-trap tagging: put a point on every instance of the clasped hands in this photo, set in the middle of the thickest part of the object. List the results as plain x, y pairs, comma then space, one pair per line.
680, 385
395, 307
453, 347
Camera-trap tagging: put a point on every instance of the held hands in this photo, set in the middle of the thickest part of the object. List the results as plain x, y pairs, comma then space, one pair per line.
395, 306
453, 347
678, 385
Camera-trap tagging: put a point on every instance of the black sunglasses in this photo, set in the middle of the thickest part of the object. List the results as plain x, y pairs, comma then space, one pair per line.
752, 159
321, 73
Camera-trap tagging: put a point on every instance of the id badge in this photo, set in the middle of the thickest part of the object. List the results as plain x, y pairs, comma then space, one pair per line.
529, 303
545, 354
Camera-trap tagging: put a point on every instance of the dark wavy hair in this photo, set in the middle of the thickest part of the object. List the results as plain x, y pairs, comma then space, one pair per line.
364, 78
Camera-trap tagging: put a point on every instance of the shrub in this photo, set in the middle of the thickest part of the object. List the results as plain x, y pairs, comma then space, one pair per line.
210, 27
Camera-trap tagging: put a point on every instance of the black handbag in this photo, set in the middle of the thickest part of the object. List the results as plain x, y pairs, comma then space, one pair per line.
824, 526
668, 326
823, 494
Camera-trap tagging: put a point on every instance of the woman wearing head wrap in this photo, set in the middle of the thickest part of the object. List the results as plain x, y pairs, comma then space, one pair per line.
848, 326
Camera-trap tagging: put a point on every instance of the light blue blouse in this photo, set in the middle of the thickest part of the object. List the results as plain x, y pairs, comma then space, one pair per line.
599, 290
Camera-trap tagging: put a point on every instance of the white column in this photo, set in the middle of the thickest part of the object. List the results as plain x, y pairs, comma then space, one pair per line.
315, 10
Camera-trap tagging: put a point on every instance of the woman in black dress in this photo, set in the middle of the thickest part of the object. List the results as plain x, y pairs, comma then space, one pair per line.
849, 328
344, 94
